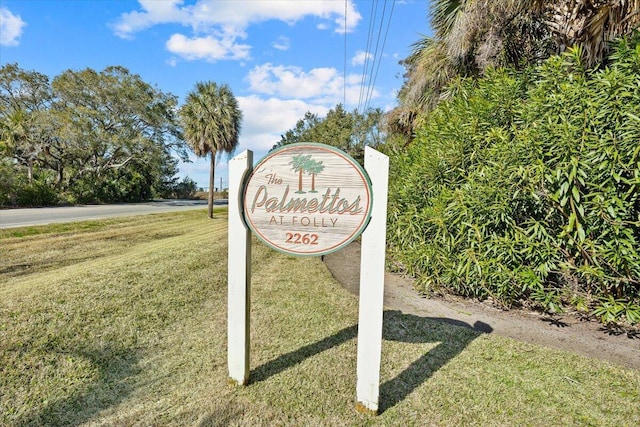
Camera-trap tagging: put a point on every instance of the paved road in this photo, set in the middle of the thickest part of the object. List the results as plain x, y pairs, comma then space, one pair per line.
10, 218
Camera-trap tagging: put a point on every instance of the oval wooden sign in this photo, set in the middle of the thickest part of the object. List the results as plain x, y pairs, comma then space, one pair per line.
307, 199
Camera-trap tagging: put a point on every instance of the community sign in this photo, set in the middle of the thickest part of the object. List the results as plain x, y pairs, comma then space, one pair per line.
307, 199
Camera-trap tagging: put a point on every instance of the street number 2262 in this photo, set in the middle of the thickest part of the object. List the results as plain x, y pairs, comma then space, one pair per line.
302, 239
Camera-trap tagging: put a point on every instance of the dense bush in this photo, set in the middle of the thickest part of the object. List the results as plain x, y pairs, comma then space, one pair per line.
16, 190
524, 188
37, 194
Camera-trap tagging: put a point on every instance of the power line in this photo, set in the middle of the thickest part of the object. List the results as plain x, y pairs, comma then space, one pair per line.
384, 42
369, 90
344, 74
372, 18
372, 62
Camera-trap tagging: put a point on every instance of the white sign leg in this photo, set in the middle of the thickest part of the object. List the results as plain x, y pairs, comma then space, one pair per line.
372, 263
239, 274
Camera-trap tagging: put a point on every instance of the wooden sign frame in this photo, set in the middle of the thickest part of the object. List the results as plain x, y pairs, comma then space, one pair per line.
372, 263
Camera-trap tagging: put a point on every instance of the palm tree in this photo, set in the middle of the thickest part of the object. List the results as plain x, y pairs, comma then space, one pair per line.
477, 34
480, 33
17, 139
590, 24
314, 168
300, 164
211, 123
471, 35
428, 71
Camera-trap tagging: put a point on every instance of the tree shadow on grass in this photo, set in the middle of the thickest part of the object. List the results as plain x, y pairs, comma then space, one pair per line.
452, 337
113, 365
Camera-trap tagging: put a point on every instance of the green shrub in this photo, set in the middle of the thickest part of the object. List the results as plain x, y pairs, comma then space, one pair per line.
523, 188
185, 189
16, 190
8, 183
37, 194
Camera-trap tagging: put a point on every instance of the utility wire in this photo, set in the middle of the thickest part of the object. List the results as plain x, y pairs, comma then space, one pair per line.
344, 74
369, 92
384, 42
367, 52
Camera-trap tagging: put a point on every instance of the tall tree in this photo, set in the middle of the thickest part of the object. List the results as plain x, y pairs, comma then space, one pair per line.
96, 136
17, 139
480, 33
24, 96
116, 130
211, 122
348, 131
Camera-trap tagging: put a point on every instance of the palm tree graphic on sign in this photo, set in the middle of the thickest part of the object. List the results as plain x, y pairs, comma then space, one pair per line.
304, 163
314, 168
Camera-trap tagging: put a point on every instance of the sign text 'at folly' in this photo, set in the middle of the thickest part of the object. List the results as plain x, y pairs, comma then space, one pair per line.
307, 199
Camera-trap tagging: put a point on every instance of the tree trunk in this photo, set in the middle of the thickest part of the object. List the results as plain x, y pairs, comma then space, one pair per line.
30, 171
60, 177
211, 172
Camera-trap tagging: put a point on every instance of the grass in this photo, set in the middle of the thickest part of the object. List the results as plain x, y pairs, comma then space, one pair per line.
123, 322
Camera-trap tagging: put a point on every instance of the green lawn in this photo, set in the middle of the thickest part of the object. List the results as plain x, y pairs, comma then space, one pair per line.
123, 322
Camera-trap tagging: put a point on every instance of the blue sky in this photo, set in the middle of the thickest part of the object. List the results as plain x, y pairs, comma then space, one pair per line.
280, 58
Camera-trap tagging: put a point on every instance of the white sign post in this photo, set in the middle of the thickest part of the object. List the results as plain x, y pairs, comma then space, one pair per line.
239, 274
372, 261
310, 199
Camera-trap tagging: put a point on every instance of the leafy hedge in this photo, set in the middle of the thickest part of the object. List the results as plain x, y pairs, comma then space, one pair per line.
524, 188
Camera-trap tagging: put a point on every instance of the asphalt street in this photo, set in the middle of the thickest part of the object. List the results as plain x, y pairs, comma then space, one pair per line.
10, 218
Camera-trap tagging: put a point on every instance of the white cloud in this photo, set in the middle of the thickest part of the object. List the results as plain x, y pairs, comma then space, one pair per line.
360, 57
324, 86
233, 13
264, 121
10, 27
217, 25
281, 43
266, 118
292, 81
153, 13
207, 48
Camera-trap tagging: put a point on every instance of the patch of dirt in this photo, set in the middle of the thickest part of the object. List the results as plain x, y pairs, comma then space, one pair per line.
564, 332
